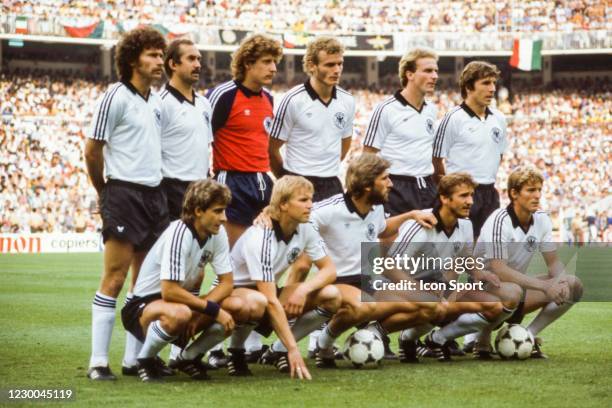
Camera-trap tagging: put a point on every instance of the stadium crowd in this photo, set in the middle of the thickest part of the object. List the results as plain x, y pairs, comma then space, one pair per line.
44, 186
326, 15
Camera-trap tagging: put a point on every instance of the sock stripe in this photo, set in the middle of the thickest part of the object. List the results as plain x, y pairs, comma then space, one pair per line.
509, 311
161, 332
324, 312
482, 317
380, 328
104, 301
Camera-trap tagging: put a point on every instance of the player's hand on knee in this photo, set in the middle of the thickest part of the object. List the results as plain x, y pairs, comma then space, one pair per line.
297, 366
295, 304
226, 320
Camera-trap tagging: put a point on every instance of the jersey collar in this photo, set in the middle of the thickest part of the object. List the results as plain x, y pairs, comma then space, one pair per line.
132, 88
314, 95
400, 98
246, 91
440, 225
472, 114
179, 96
201, 242
515, 221
351, 206
278, 232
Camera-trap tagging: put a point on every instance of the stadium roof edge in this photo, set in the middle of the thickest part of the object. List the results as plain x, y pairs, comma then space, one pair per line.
292, 51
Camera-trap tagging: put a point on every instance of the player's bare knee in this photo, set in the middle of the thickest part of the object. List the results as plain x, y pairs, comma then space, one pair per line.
112, 285
175, 318
511, 295
331, 298
257, 303
576, 287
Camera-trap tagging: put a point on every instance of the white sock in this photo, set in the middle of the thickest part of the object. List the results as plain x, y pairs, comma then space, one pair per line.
483, 341
466, 323
207, 340
468, 338
174, 352
547, 315
312, 339
326, 338
132, 344
253, 342
304, 325
376, 327
240, 334
414, 333
102, 322
156, 339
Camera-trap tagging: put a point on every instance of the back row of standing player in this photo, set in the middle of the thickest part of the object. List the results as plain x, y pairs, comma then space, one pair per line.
145, 148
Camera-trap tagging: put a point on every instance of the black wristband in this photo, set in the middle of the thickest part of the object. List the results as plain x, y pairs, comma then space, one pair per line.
211, 309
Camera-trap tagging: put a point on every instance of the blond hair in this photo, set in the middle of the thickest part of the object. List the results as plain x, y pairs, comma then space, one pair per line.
203, 194
409, 61
328, 44
283, 190
252, 49
449, 183
474, 71
522, 176
363, 171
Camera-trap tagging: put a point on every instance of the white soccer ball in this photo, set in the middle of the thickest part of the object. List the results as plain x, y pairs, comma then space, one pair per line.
364, 347
514, 342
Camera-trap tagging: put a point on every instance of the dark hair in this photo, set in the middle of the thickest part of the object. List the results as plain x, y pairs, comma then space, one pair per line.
132, 45
363, 171
449, 182
474, 71
174, 53
203, 194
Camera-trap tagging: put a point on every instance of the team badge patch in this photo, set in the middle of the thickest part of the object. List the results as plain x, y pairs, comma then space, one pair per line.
293, 254
496, 134
371, 232
267, 123
456, 246
430, 126
206, 257
340, 120
531, 244
157, 113
206, 118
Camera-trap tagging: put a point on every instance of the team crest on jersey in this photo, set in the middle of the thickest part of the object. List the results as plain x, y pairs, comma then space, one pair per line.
157, 113
429, 125
206, 118
267, 123
371, 233
531, 244
496, 134
340, 120
293, 254
206, 257
456, 246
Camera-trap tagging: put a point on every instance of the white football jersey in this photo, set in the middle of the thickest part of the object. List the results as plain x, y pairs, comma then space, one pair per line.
502, 237
344, 230
262, 254
180, 256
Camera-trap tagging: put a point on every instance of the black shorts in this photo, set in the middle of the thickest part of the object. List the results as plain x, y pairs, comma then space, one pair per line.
410, 193
486, 200
175, 192
324, 187
361, 282
130, 317
134, 213
251, 193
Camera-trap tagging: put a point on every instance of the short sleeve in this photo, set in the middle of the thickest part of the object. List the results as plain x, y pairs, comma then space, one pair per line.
283, 119
547, 244
314, 245
444, 136
107, 114
258, 254
380, 220
377, 129
174, 253
495, 236
220, 261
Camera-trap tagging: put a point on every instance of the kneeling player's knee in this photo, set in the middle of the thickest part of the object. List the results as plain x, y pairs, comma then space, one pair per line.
576, 287
332, 299
237, 308
257, 303
176, 318
511, 295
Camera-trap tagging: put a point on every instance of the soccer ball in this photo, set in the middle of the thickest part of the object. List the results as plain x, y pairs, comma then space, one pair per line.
364, 347
514, 342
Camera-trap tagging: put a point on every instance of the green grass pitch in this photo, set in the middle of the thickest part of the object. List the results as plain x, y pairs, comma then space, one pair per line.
45, 305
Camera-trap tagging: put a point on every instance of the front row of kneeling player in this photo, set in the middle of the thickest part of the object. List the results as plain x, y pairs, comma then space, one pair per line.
166, 307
